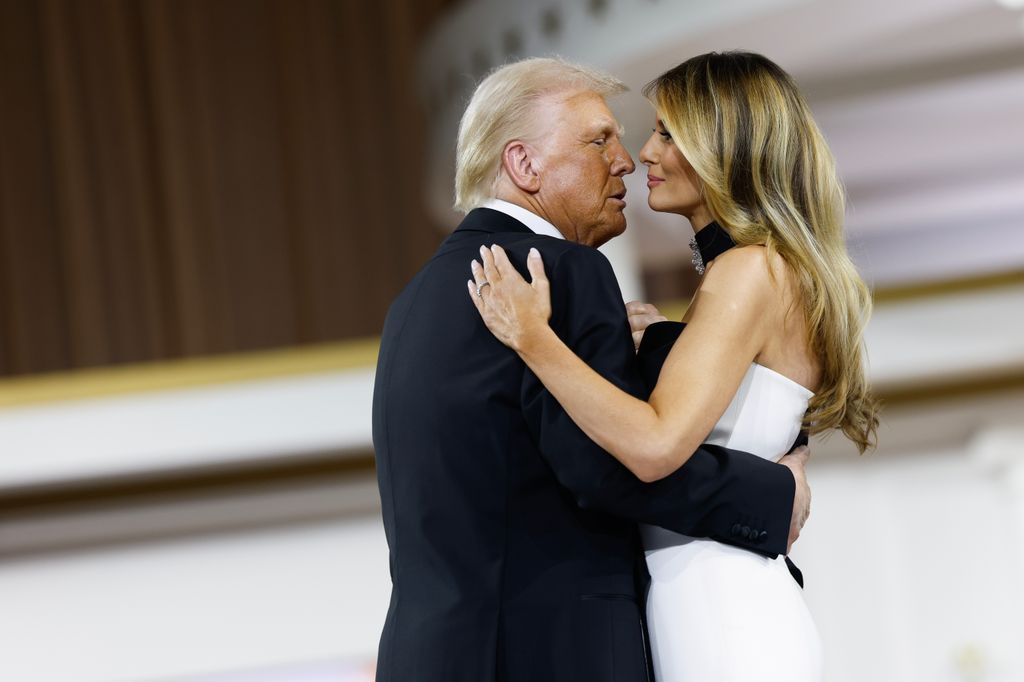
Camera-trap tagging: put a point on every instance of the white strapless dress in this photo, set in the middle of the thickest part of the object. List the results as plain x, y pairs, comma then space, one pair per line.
717, 613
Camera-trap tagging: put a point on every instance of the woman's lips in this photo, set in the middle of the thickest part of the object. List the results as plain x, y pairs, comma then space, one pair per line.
653, 180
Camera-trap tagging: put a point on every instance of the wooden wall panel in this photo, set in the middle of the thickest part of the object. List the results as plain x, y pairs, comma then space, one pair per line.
34, 333
184, 177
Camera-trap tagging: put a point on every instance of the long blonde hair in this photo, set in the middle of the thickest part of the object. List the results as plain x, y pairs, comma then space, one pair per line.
769, 178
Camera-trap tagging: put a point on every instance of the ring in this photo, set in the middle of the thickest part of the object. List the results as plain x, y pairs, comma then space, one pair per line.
479, 288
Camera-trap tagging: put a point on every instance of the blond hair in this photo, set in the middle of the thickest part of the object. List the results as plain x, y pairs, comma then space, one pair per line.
769, 178
501, 110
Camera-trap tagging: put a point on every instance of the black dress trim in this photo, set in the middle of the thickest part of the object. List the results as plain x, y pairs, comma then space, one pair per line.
712, 241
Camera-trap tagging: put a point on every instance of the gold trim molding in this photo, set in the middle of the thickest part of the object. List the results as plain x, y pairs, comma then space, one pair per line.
358, 354
188, 373
961, 285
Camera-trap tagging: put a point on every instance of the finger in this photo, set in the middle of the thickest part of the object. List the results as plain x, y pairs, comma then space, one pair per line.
477, 303
641, 322
643, 317
535, 264
491, 273
478, 274
798, 456
801, 453
638, 308
636, 323
637, 338
501, 262
635, 308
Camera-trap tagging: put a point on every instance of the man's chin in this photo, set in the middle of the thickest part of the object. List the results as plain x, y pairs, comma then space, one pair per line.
609, 233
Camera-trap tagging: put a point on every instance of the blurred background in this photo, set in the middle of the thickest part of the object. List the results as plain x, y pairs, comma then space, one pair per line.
207, 206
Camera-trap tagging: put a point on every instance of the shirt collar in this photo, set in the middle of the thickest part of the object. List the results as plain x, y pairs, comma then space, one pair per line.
525, 216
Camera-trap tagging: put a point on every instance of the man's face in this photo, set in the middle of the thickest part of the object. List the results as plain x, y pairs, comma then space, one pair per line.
581, 163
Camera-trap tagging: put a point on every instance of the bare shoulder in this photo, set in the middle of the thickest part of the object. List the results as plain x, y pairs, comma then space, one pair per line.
763, 289
751, 261
747, 270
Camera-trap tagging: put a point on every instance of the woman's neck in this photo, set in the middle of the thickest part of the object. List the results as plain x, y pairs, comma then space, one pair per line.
699, 221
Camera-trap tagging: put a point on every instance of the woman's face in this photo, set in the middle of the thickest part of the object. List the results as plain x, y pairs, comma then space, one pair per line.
672, 183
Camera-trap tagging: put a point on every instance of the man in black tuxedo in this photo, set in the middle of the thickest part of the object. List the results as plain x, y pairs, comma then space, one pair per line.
514, 548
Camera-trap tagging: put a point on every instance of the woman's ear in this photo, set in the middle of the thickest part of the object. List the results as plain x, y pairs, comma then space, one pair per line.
519, 163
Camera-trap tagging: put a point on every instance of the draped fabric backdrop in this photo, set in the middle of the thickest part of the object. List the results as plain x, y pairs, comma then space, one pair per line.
192, 177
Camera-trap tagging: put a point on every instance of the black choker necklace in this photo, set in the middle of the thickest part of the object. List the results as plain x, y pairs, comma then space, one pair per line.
708, 243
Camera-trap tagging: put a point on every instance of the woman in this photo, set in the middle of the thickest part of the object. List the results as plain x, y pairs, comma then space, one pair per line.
772, 343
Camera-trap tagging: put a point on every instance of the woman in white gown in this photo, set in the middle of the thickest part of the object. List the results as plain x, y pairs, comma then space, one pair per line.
772, 343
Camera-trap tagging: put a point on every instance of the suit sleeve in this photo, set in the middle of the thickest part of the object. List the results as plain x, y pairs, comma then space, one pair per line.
724, 494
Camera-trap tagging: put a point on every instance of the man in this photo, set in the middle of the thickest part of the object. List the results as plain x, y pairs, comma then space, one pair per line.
514, 549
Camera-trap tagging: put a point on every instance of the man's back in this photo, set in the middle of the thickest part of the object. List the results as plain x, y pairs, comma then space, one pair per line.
497, 571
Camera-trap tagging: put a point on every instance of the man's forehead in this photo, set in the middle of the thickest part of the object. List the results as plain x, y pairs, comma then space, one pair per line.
591, 111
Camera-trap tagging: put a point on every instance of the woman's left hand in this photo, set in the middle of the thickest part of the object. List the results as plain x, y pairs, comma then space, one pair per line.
512, 308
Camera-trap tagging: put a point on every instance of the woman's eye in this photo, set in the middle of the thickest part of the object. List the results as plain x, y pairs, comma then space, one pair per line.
665, 136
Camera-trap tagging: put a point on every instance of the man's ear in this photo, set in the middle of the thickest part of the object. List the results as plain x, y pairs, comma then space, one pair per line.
519, 163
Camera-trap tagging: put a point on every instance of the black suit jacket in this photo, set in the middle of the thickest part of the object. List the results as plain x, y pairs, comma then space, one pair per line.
514, 551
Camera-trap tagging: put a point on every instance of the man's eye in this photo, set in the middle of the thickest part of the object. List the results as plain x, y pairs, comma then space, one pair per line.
600, 142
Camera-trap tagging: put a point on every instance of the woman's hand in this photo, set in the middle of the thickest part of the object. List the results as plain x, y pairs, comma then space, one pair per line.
642, 315
512, 308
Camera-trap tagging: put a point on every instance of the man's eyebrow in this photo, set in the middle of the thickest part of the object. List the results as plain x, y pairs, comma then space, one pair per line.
607, 127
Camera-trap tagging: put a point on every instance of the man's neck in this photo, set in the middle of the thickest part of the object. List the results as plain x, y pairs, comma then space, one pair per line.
526, 215
526, 202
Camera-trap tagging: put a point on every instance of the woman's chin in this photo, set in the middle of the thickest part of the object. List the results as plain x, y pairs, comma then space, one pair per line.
663, 206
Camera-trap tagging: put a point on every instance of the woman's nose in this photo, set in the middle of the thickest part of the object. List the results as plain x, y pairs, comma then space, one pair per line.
645, 154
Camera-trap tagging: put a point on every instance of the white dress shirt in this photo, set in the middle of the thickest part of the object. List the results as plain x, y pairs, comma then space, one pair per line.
525, 216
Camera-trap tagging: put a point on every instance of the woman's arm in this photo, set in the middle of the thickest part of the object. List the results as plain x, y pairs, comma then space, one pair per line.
726, 332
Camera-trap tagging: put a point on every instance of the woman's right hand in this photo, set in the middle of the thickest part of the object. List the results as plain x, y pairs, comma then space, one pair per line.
641, 315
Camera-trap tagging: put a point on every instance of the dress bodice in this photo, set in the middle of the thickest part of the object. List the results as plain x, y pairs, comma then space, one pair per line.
764, 415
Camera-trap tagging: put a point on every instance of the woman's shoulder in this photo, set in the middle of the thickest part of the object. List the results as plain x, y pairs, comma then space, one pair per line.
747, 266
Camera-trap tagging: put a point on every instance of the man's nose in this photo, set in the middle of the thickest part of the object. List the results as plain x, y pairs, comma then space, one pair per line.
623, 163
